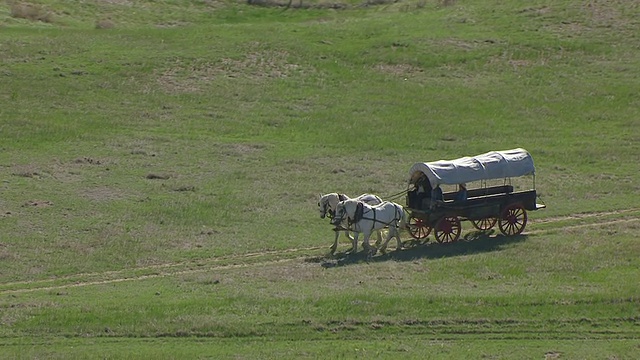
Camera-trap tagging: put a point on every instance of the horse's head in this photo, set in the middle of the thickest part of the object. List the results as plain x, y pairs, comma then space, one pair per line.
327, 205
345, 210
322, 206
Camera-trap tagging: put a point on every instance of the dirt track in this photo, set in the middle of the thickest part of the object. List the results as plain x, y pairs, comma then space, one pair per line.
281, 256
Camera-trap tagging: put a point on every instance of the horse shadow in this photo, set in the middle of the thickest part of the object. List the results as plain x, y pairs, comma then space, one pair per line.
471, 243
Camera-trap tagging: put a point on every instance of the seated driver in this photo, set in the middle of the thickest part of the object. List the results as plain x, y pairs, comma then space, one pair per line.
461, 195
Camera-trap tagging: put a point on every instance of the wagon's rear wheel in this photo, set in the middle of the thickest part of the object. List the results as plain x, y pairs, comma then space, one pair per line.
448, 229
418, 228
484, 224
513, 220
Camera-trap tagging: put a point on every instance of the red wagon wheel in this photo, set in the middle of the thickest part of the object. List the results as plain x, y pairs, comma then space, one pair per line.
513, 220
418, 228
448, 229
484, 224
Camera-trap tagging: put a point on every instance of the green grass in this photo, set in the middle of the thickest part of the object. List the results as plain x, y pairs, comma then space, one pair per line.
159, 178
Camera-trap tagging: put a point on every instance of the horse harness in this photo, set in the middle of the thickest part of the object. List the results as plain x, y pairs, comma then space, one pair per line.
359, 215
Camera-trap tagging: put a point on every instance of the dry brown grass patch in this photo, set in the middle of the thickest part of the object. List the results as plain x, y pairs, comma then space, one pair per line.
103, 193
620, 15
255, 65
403, 70
116, 2
31, 12
171, 81
105, 24
27, 171
37, 203
241, 150
310, 4
260, 64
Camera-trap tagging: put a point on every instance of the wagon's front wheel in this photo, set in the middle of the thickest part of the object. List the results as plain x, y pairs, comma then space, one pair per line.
513, 220
448, 229
484, 224
418, 228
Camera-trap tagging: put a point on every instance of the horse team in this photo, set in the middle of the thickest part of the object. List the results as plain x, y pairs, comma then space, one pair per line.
365, 214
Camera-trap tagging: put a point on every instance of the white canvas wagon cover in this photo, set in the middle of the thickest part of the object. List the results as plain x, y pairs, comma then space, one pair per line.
491, 165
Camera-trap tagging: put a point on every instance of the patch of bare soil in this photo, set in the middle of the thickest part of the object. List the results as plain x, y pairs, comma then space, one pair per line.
27, 170
319, 4
173, 81
552, 355
37, 203
116, 2
103, 193
88, 161
143, 152
158, 176
520, 63
64, 171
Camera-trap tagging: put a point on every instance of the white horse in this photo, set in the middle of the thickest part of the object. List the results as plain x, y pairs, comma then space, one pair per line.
364, 218
327, 206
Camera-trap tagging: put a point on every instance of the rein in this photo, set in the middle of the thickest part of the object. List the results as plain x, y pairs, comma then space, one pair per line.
397, 195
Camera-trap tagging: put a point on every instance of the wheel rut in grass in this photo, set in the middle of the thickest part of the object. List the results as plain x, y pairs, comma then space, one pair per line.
265, 258
579, 216
159, 270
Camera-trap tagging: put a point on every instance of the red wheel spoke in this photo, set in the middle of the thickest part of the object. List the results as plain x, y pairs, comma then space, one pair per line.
484, 224
513, 220
418, 228
448, 229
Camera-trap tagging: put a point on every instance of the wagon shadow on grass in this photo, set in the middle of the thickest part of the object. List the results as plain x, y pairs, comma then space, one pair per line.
472, 243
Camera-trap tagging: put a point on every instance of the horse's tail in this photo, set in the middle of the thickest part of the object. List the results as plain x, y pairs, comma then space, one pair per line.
403, 223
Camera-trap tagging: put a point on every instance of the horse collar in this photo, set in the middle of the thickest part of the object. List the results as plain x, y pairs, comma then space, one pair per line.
359, 212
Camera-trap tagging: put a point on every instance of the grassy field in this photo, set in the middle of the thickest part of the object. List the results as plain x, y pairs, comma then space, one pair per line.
161, 161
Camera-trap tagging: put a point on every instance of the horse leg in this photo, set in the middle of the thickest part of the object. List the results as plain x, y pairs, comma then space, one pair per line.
348, 235
379, 240
399, 246
335, 243
393, 232
354, 244
383, 248
365, 243
346, 232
